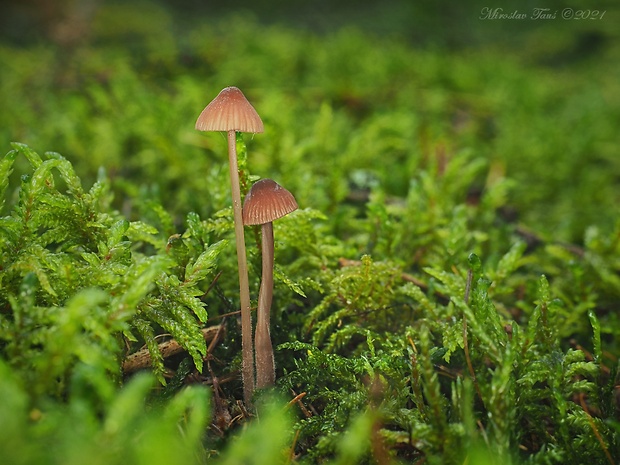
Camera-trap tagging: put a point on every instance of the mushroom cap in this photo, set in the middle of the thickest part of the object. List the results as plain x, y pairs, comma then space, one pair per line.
266, 202
230, 110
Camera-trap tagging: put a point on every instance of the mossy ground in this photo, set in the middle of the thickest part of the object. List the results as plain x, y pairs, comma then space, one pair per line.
447, 293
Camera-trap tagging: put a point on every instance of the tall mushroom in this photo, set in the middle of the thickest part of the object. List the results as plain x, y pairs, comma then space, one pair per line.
266, 202
231, 112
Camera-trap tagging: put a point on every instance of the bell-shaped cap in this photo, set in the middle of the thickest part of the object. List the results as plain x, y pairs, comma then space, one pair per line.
229, 111
266, 202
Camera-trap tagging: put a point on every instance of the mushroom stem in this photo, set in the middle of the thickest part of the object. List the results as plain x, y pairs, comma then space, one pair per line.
265, 365
247, 369
266, 202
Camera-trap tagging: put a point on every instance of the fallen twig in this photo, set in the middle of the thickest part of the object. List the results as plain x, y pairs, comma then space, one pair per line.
142, 358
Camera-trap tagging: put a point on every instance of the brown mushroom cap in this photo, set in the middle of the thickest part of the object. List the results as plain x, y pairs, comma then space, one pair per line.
230, 110
266, 202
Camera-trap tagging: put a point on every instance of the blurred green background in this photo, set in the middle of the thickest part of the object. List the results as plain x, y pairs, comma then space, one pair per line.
119, 84
455, 25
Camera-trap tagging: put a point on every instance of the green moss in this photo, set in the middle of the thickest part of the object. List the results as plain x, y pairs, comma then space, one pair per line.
75, 274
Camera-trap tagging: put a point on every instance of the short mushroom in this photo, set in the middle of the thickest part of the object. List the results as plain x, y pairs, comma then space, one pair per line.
231, 112
266, 202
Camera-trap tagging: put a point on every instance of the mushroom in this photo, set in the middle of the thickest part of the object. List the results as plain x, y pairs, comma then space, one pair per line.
266, 202
230, 111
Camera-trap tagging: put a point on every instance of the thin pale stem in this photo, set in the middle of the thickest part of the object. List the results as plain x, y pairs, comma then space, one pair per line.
265, 365
244, 286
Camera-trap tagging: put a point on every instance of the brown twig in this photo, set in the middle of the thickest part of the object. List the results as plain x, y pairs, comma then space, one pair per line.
297, 400
212, 284
595, 430
291, 454
221, 329
142, 358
